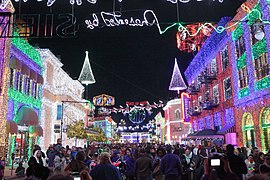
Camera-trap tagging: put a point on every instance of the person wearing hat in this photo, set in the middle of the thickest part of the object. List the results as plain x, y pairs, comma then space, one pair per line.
105, 170
265, 167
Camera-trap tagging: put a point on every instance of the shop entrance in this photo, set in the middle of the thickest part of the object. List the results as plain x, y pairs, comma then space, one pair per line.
248, 131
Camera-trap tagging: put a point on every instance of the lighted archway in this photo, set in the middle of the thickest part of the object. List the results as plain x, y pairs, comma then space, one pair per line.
248, 130
265, 128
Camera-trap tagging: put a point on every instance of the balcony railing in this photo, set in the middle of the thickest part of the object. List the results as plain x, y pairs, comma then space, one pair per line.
195, 111
193, 89
205, 78
209, 104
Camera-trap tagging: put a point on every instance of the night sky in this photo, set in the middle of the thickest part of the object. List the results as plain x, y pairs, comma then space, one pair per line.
130, 63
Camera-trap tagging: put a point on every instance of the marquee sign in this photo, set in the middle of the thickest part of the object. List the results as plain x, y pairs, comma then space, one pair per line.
103, 100
185, 98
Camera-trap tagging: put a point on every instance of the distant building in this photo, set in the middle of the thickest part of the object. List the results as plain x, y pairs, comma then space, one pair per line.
175, 128
107, 124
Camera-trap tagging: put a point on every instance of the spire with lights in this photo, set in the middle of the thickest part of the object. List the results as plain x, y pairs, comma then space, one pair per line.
86, 76
177, 82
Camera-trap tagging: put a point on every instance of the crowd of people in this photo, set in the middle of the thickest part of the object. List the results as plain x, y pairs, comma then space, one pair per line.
147, 161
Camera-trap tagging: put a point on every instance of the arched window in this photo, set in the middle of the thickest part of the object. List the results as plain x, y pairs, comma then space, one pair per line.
266, 128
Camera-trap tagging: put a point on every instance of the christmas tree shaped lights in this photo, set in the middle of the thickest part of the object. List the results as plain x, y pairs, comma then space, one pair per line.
177, 82
86, 76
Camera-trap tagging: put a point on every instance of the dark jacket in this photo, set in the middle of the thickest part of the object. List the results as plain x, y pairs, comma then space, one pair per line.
105, 172
170, 164
237, 165
143, 167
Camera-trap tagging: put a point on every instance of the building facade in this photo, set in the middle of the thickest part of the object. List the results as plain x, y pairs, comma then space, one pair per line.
250, 42
175, 128
62, 102
4, 77
242, 79
209, 76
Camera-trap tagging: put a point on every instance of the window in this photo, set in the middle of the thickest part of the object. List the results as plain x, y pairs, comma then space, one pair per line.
34, 93
243, 78
261, 66
240, 47
28, 86
20, 82
213, 68
12, 77
227, 88
215, 94
224, 58
200, 100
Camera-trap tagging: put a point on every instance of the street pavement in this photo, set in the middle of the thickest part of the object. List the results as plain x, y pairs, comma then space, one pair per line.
10, 174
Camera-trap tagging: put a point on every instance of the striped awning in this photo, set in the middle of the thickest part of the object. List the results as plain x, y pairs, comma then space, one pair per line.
33, 75
25, 70
15, 64
27, 116
12, 127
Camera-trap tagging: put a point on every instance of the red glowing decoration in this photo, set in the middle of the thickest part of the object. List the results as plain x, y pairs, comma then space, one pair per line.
185, 39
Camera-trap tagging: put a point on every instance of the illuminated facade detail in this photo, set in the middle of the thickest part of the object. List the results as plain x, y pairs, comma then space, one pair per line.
107, 125
5, 44
177, 83
58, 88
86, 76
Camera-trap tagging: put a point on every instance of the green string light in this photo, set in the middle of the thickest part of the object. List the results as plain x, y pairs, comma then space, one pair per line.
27, 49
259, 48
243, 92
262, 84
254, 14
241, 61
238, 32
20, 97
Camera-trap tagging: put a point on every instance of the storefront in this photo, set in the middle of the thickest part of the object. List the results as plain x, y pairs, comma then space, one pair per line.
249, 139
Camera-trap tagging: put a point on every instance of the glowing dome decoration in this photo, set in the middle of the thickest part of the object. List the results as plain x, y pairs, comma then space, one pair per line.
86, 76
137, 115
177, 82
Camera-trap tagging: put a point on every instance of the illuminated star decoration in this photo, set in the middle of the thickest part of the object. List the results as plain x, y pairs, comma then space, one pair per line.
86, 76
177, 82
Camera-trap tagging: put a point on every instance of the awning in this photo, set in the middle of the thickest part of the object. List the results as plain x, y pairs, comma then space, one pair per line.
39, 79
37, 130
26, 116
33, 75
12, 127
206, 133
15, 64
228, 128
25, 70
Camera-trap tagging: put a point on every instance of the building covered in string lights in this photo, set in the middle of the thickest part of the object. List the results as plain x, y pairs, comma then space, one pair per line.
62, 101
229, 79
24, 98
4, 78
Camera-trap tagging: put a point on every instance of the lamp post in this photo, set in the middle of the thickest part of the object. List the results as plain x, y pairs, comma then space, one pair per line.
70, 102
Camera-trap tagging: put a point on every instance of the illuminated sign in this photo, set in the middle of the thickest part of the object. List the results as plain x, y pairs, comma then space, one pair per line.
113, 19
103, 100
185, 106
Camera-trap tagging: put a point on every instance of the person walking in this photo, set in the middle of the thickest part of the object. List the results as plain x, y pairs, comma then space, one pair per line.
171, 165
105, 170
143, 167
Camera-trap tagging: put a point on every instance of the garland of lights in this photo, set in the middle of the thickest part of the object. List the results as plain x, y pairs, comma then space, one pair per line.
27, 49
21, 97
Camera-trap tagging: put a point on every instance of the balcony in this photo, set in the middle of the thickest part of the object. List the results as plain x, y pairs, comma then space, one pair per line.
193, 89
207, 77
196, 111
209, 104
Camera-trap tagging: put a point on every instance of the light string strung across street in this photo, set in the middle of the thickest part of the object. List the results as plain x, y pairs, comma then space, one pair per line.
114, 19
